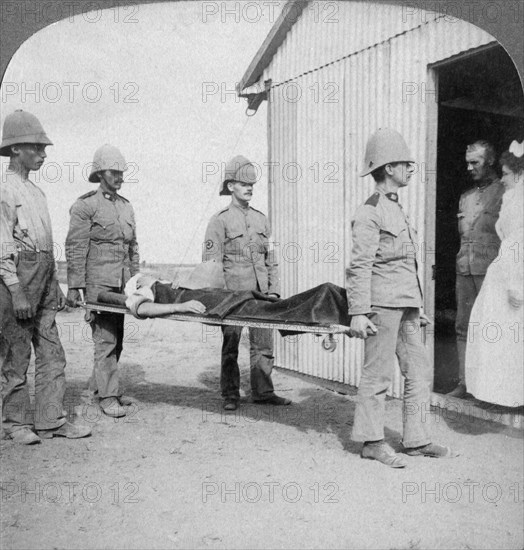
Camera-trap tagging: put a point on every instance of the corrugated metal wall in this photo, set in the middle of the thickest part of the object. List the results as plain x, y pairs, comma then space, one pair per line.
332, 86
308, 196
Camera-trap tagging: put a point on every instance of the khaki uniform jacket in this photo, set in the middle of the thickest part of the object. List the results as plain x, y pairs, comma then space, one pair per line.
383, 269
101, 246
238, 238
479, 243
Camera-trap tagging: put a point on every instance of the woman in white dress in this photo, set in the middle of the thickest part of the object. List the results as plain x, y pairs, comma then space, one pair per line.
494, 354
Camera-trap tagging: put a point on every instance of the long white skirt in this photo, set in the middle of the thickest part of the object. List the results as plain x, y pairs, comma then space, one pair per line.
494, 352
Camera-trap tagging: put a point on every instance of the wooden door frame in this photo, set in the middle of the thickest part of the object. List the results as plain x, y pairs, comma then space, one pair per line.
428, 251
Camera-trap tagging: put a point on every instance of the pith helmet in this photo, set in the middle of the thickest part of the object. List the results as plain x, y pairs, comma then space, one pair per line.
22, 127
383, 147
239, 168
107, 157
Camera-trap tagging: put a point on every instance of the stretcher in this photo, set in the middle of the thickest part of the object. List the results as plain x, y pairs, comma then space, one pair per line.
329, 343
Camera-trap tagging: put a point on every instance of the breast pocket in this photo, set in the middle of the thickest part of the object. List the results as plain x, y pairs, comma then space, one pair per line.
392, 238
263, 240
234, 242
389, 232
103, 229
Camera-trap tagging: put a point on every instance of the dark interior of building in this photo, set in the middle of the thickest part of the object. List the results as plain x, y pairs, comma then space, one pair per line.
480, 97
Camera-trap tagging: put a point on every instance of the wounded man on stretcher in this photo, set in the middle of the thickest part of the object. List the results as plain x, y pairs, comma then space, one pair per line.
147, 296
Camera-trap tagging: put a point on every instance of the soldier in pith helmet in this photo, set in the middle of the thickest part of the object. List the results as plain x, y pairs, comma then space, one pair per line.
102, 255
237, 237
385, 302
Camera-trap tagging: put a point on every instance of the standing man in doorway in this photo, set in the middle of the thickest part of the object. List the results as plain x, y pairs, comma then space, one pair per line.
238, 239
385, 301
30, 295
479, 243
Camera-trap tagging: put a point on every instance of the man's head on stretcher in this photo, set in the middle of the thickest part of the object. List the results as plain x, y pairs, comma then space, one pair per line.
140, 299
139, 290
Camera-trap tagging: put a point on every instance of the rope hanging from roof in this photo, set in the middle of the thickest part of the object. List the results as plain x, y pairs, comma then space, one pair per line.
204, 214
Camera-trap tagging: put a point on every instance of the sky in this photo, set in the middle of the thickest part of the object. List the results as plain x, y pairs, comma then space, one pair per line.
157, 82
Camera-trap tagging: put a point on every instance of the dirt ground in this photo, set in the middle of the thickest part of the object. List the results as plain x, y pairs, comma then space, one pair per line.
180, 473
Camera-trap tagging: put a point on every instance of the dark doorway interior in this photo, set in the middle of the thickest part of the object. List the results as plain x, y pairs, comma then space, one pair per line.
480, 97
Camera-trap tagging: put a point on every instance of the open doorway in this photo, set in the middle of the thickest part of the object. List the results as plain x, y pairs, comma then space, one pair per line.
479, 97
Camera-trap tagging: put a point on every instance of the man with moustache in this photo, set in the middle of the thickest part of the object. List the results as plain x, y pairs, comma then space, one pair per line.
30, 295
237, 238
102, 255
479, 243
385, 301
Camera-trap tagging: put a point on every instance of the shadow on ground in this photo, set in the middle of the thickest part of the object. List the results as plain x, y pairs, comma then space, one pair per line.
315, 409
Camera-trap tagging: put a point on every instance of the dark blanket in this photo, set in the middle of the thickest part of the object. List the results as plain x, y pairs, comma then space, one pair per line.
325, 304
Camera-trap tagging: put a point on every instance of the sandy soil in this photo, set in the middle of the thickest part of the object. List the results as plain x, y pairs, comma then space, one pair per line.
180, 473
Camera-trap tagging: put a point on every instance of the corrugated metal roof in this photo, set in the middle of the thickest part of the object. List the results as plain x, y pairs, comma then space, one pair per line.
382, 19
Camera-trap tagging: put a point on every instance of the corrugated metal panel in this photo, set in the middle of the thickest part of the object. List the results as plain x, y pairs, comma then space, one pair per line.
308, 179
343, 23
383, 85
282, 119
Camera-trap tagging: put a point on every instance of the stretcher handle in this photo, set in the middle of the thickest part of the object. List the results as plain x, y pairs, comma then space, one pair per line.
329, 343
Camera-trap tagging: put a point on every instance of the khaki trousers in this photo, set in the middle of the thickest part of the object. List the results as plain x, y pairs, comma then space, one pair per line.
399, 334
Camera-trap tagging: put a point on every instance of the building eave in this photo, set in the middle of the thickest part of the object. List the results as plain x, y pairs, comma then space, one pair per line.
287, 18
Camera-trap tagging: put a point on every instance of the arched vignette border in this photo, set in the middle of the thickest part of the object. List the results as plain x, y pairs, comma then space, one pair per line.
507, 30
